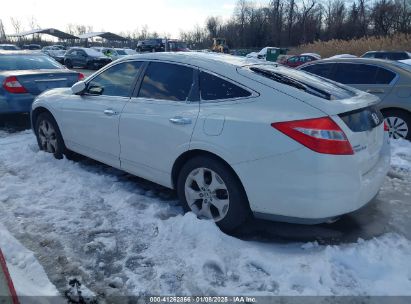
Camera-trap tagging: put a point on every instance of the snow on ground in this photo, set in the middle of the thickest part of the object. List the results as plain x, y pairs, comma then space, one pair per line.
28, 276
123, 236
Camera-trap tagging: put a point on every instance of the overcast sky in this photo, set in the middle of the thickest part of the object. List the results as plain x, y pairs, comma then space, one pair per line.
163, 16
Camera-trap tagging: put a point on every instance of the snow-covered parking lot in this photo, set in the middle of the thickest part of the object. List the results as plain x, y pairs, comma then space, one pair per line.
120, 235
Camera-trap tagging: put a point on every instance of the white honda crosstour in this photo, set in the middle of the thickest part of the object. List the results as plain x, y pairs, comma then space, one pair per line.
233, 136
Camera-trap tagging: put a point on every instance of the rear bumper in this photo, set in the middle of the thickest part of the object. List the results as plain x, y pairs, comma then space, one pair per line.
16, 103
304, 186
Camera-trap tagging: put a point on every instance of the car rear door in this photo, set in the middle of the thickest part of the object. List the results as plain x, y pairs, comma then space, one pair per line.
157, 124
90, 121
369, 78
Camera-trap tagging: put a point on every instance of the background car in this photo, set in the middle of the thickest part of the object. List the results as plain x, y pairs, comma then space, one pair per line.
184, 125
177, 46
9, 47
295, 61
85, 58
390, 55
54, 52
151, 45
389, 80
24, 75
32, 47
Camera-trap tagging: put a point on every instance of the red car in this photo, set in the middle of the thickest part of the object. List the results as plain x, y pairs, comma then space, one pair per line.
298, 60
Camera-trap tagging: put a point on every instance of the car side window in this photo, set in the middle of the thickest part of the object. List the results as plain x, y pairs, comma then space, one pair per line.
348, 73
293, 59
384, 76
323, 69
115, 81
167, 81
369, 55
215, 88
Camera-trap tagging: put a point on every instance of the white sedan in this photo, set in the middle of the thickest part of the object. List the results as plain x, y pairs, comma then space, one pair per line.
233, 136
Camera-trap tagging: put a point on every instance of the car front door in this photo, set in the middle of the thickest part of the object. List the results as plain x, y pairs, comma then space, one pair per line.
90, 121
157, 124
365, 77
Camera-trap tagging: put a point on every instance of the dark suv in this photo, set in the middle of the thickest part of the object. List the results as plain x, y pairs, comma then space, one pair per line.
85, 58
151, 45
392, 55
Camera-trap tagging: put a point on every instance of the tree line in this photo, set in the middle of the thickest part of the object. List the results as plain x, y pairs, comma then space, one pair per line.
292, 22
285, 23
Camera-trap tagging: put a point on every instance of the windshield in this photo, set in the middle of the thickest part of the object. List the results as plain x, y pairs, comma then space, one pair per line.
27, 62
307, 82
92, 52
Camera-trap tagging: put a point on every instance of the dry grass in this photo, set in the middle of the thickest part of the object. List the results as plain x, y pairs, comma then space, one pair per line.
398, 42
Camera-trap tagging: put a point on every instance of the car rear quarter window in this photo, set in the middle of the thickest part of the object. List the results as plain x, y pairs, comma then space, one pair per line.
348, 73
384, 76
323, 69
214, 88
166, 81
115, 81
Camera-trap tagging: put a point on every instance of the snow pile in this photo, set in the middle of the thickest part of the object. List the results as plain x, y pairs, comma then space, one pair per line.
123, 236
401, 154
27, 274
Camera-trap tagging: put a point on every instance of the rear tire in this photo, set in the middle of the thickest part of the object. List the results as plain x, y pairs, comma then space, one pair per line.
399, 123
48, 135
68, 64
218, 195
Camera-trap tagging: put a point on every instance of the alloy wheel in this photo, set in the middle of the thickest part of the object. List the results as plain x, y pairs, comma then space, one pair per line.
397, 127
47, 136
207, 194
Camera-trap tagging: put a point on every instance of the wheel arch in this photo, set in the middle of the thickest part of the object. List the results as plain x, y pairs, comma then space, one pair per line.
183, 158
395, 109
36, 113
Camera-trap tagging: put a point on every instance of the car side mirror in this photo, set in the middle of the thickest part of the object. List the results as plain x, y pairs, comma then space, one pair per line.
78, 87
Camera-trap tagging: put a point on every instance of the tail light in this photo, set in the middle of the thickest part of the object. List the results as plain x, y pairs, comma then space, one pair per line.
12, 85
386, 127
321, 135
80, 76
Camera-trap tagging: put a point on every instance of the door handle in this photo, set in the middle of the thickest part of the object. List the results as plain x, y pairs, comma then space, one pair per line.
178, 120
375, 91
110, 112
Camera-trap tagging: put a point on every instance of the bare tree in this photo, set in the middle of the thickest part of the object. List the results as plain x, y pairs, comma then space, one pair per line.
16, 24
3, 37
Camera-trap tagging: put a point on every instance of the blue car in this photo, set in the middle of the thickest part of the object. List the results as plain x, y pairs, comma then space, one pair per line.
24, 75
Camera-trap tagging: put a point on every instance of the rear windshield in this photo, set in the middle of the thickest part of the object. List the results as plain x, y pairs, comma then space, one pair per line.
27, 62
121, 52
307, 82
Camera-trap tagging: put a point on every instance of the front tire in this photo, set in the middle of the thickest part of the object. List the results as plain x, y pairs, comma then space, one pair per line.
210, 189
399, 124
48, 135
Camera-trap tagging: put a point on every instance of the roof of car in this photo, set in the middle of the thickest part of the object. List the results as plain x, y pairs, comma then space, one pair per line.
395, 65
386, 52
355, 60
21, 52
199, 58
